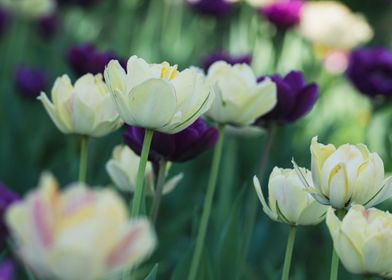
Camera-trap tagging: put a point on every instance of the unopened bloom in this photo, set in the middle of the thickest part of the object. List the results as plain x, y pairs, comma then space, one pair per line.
289, 201
295, 98
85, 58
7, 198
30, 8
370, 71
79, 233
283, 14
331, 25
363, 240
230, 59
123, 167
346, 175
182, 146
158, 96
239, 99
216, 8
30, 81
85, 108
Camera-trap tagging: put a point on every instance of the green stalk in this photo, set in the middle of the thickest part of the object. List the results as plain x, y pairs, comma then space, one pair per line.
207, 205
335, 259
139, 192
158, 191
289, 253
83, 159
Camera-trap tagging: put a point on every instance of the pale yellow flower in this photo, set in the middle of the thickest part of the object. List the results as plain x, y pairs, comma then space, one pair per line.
30, 8
363, 240
85, 108
77, 234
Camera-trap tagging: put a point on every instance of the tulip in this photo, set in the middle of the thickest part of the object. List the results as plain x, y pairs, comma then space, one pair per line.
30, 8
158, 96
30, 81
289, 201
85, 58
7, 270
217, 8
331, 25
295, 98
370, 71
122, 169
346, 175
7, 198
77, 234
283, 14
239, 99
232, 60
363, 240
85, 108
260, 3
179, 147
4, 20
48, 25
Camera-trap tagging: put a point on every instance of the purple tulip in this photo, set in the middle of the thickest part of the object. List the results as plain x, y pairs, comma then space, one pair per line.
179, 147
4, 20
370, 71
83, 3
7, 198
217, 8
208, 61
86, 58
7, 270
30, 81
48, 25
283, 14
295, 98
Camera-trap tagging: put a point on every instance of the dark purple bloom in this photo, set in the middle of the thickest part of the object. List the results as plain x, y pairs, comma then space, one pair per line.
208, 61
7, 198
86, 58
370, 71
30, 81
179, 147
283, 14
217, 8
7, 270
4, 20
48, 25
295, 98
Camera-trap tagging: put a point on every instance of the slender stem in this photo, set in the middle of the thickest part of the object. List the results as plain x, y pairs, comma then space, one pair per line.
139, 192
254, 200
335, 259
289, 253
83, 159
158, 191
207, 205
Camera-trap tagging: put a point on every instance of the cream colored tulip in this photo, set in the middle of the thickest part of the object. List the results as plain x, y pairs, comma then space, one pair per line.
330, 24
85, 108
239, 99
158, 96
289, 202
348, 174
30, 8
363, 240
77, 234
260, 3
123, 167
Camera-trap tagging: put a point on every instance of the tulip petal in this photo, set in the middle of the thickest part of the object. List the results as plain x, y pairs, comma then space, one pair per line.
83, 116
119, 176
267, 210
138, 71
115, 76
123, 106
172, 183
51, 110
152, 103
338, 187
313, 214
377, 253
383, 194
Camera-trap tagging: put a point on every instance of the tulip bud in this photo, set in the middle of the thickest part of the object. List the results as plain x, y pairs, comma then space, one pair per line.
349, 174
363, 240
123, 167
239, 99
158, 96
85, 108
289, 202
77, 234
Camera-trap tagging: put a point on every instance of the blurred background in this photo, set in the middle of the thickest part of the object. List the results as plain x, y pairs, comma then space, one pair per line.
80, 36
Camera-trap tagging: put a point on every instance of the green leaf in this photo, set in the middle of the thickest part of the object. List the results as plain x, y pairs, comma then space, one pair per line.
153, 273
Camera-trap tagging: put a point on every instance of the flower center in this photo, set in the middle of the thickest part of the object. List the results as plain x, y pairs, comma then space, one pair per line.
168, 72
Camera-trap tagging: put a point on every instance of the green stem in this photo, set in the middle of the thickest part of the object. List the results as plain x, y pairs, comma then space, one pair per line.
139, 192
335, 259
158, 191
253, 199
207, 205
83, 159
289, 253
